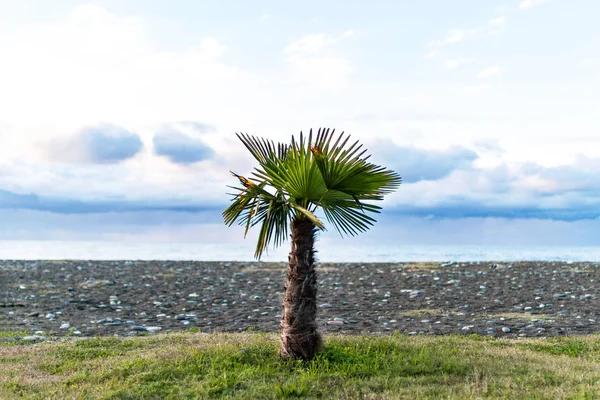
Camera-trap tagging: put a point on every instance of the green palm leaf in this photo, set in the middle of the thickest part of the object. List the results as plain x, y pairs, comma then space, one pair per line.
294, 181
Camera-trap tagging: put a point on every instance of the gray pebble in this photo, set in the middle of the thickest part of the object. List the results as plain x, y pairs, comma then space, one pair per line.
139, 328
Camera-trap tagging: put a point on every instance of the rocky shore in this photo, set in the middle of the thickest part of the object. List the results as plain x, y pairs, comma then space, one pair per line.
49, 299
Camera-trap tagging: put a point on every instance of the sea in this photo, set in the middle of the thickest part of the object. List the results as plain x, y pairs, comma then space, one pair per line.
354, 252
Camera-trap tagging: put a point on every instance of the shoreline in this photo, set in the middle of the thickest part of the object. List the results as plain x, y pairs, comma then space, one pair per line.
11, 261
128, 298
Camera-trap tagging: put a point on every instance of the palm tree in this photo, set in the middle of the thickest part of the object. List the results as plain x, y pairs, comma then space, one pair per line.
290, 184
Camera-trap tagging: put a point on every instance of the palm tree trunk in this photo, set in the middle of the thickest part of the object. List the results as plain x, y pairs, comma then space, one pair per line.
299, 336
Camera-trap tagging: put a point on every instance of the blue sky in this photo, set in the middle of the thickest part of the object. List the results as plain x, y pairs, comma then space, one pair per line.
117, 118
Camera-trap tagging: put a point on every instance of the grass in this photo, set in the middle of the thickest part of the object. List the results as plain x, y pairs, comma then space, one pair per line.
523, 316
246, 366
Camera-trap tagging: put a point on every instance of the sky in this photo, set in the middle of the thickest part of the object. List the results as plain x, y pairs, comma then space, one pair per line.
118, 117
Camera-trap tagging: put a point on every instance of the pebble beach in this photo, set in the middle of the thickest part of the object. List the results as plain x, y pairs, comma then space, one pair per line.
46, 300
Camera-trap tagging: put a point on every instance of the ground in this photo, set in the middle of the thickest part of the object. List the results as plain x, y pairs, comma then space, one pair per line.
126, 298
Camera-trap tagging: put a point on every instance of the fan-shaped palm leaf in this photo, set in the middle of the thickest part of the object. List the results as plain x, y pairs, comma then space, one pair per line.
321, 172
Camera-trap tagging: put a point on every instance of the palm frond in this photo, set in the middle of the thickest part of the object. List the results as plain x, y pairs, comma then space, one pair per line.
275, 218
309, 214
325, 171
262, 149
244, 204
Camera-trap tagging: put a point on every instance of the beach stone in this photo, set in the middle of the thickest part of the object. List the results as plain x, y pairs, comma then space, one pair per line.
65, 326
34, 338
153, 328
506, 329
139, 328
359, 291
335, 322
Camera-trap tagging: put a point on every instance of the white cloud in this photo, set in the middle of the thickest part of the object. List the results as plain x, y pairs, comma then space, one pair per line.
497, 21
455, 63
312, 59
531, 3
451, 64
490, 72
210, 48
315, 43
95, 66
432, 54
455, 36
477, 88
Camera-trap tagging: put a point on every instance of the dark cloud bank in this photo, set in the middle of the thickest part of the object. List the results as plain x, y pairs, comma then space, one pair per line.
97, 144
418, 165
572, 192
180, 148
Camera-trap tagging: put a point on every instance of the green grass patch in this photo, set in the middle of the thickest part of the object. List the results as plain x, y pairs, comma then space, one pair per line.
246, 366
7, 338
573, 347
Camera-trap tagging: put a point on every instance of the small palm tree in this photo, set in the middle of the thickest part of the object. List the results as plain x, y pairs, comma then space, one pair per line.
290, 184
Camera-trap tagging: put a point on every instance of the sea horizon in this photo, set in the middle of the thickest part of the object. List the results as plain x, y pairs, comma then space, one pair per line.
328, 252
